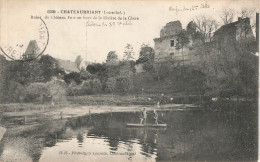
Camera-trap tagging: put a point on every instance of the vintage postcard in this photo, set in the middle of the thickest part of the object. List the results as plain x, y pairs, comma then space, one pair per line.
133, 81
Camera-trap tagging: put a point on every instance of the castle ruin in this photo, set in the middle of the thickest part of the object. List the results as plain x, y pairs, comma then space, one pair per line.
165, 46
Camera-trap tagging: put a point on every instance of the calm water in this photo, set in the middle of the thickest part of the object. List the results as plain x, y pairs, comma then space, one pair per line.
190, 135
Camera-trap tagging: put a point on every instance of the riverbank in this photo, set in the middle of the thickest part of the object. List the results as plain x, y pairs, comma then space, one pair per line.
32, 116
99, 100
33, 113
72, 106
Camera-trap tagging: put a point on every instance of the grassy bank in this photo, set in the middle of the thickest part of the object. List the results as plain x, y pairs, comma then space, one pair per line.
121, 100
19, 107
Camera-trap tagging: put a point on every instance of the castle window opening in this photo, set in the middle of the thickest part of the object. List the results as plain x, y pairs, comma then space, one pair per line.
172, 43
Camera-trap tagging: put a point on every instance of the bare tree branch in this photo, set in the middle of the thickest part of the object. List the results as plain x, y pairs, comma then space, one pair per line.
227, 16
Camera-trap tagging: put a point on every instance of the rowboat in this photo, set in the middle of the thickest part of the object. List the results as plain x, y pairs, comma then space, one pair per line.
145, 125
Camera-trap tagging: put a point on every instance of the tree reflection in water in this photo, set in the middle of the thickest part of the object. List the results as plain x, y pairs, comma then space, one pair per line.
190, 135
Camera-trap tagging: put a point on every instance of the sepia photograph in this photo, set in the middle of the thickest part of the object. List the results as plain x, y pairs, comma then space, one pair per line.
119, 81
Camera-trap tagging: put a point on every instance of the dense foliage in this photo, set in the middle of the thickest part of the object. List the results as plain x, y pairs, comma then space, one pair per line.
224, 70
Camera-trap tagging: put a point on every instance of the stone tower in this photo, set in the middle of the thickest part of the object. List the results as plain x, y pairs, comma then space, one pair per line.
165, 46
31, 51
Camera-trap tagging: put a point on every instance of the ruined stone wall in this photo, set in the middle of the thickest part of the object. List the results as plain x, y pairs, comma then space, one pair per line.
171, 28
244, 30
164, 51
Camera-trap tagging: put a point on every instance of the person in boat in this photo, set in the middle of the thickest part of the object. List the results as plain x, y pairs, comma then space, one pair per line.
158, 104
143, 116
155, 116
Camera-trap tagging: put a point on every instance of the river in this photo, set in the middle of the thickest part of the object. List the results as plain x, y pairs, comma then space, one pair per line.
190, 135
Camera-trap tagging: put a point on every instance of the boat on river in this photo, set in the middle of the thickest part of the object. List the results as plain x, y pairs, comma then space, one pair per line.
145, 125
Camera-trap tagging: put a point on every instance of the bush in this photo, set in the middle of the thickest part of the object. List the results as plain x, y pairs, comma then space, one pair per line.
87, 87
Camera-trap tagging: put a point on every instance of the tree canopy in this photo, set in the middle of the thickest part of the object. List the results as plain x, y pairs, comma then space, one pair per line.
112, 56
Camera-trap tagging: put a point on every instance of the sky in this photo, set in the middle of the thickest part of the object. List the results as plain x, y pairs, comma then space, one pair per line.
70, 38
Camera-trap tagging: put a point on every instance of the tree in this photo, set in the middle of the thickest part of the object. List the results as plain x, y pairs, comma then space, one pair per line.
245, 12
3, 75
124, 84
85, 74
164, 71
32, 71
227, 16
85, 88
36, 90
212, 26
129, 53
96, 68
57, 89
206, 26
73, 76
249, 13
113, 70
182, 41
125, 77
49, 66
148, 65
191, 28
111, 57
78, 61
13, 92
247, 69
96, 86
146, 53
111, 84
99, 71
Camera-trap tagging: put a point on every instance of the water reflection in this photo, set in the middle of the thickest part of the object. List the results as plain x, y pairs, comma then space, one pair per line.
189, 136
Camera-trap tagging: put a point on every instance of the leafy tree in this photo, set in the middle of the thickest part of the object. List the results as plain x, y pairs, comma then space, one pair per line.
50, 67
96, 86
124, 84
164, 71
32, 71
85, 74
125, 77
100, 72
113, 70
146, 53
182, 41
36, 90
3, 73
73, 76
78, 61
191, 28
12, 92
230, 70
148, 65
111, 57
86, 88
129, 53
96, 68
57, 89
24, 72
111, 84
247, 69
